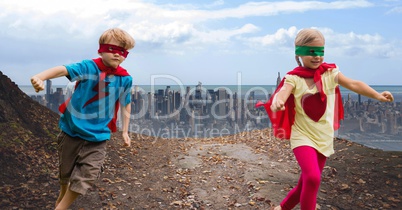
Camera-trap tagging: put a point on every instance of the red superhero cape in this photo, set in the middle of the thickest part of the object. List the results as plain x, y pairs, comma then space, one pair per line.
282, 121
119, 71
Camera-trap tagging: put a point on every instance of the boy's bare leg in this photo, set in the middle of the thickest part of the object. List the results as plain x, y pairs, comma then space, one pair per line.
63, 189
67, 199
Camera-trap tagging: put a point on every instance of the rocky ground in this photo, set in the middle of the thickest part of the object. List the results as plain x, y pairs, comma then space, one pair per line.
244, 171
248, 170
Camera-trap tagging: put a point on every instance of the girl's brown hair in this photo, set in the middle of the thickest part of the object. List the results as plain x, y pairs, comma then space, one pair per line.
305, 37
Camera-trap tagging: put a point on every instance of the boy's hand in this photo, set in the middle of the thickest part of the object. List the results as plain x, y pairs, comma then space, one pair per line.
37, 84
127, 139
388, 97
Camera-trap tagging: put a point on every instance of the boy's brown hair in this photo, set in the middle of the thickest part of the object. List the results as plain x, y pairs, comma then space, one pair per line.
127, 41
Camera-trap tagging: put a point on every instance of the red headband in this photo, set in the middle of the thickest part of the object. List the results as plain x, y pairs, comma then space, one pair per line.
109, 48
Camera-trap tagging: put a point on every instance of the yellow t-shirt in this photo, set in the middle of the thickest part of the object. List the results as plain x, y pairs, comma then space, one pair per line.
305, 131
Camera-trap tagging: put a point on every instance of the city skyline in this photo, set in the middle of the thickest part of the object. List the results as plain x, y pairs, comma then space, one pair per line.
213, 41
202, 112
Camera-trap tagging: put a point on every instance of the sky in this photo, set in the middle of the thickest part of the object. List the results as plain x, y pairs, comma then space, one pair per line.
215, 42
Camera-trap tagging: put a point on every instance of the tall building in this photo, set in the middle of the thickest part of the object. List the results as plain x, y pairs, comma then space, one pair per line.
142, 108
278, 80
198, 94
160, 96
222, 102
177, 100
251, 101
151, 106
167, 90
48, 92
168, 103
192, 122
188, 90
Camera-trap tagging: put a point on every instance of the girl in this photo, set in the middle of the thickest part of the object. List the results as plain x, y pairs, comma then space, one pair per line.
305, 109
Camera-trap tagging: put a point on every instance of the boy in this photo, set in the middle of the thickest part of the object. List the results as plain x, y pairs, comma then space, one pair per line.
89, 116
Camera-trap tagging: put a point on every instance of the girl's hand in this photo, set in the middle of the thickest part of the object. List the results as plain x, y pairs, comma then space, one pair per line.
37, 84
278, 102
277, 105
386, 97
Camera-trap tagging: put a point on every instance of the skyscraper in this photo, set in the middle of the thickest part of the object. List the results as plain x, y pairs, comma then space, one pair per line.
222, 102
48, 92
278, 80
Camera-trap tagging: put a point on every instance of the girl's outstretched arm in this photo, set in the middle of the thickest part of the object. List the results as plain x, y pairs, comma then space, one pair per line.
363, 89
278, 103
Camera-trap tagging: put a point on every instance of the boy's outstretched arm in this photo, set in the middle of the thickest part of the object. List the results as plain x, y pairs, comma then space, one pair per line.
37, 81
125, 116
363, 89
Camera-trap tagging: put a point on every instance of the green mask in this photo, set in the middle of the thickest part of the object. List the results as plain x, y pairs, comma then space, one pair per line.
309, 51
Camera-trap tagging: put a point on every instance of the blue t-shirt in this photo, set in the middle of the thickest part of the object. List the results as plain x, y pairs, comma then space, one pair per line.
93, 102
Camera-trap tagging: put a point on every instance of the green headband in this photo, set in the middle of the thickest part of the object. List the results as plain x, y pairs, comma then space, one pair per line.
309, 51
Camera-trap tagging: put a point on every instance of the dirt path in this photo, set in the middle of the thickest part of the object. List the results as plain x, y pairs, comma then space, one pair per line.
245, 171
234, 175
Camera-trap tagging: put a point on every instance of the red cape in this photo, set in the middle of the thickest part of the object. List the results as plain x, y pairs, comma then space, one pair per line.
282, 121
119, 71
105, 70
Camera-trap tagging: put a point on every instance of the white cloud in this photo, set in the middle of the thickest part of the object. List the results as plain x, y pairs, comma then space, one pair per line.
274, 8
353, 44
224, 36
178, 28
209, 36
87, 17
344, 44
173, 32
350, 38
395, 10
281, 37
215, 4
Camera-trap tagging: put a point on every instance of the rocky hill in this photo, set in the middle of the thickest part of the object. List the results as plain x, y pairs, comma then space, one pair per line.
27, 149
249, 170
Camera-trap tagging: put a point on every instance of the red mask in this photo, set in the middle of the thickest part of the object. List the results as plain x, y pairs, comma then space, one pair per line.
109, 48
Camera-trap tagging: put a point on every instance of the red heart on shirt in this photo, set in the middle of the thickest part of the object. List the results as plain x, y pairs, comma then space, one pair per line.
313, 106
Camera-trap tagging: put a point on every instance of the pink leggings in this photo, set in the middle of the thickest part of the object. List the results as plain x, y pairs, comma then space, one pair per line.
311, 163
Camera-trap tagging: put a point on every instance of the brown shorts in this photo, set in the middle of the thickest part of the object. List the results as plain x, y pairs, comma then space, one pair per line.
80, 162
